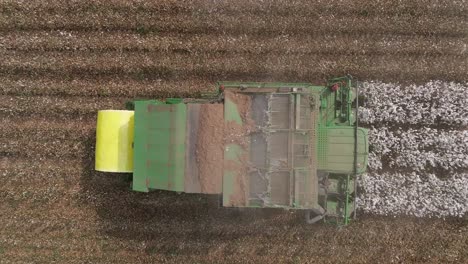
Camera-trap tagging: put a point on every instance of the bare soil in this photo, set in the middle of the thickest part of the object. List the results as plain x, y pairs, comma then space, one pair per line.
210, 148
239, 134
64, 60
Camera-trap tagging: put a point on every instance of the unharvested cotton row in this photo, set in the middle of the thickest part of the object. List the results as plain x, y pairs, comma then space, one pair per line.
418, 149
440, 103
414, 194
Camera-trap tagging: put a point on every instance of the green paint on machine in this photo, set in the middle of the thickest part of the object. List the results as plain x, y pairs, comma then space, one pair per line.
159, 146
232, 151
228, 187
233, 185
304, 152
231, 112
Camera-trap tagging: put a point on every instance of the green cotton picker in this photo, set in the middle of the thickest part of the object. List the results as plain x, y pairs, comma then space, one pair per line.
295, 146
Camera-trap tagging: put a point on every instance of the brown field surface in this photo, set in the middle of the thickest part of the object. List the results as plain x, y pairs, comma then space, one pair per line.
61, 61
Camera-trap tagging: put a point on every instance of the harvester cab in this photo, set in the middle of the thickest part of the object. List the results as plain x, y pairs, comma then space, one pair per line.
282, 145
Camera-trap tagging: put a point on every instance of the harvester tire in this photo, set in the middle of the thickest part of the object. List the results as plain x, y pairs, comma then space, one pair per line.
312, 216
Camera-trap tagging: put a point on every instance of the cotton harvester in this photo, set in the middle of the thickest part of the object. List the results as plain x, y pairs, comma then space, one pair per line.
283, 145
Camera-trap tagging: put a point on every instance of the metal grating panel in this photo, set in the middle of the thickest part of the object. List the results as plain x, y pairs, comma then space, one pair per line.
282, 169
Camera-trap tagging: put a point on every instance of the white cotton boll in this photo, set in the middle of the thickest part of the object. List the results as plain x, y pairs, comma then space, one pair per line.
374, 161
418, 148
422, 104
431, 110
413, 194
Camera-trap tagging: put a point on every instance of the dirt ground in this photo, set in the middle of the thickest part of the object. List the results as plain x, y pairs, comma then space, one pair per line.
239, 135
210, 148
60, 63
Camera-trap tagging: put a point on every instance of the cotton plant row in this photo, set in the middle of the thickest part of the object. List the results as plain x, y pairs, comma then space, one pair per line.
435, 102
418, 149
417, 129
414, 194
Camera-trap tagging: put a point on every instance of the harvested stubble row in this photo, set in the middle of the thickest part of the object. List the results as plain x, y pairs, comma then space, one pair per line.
131, 42
206, 18
47, 129
62, 108
207, 66
103, 87
45, 149
41, 172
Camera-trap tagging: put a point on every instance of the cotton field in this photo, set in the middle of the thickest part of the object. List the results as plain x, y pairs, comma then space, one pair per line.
62, 61
418, 156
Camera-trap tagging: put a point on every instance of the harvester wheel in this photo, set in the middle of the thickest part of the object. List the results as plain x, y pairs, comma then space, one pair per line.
312, 216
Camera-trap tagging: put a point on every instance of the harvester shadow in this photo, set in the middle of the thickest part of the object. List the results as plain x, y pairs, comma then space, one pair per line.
132, 215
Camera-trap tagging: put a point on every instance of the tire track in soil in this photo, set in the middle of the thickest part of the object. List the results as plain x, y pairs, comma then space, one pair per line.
279, 68
125, 88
